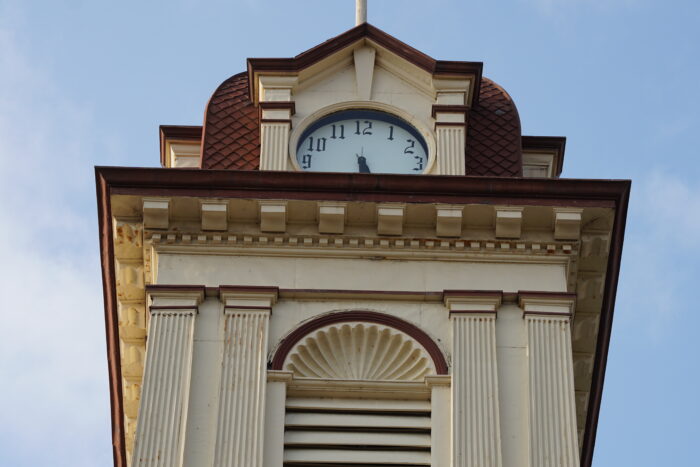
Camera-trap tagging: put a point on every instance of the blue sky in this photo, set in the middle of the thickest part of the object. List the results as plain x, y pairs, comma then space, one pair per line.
86, 83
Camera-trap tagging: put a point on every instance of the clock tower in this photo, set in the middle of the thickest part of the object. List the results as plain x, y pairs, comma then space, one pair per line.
357, 260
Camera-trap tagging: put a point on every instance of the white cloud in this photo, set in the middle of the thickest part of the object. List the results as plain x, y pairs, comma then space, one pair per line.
52, 351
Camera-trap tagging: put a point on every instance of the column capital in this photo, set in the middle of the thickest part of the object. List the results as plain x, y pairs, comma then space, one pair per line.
438, 380
472, 301
279, 376
174, 297
248, 298
547, 303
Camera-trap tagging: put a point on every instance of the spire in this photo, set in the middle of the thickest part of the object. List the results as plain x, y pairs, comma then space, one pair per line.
360, 12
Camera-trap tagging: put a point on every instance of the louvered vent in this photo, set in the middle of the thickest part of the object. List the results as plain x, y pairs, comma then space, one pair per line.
356, 432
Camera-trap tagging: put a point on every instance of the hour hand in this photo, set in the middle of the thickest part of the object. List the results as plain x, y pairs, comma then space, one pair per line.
362, 163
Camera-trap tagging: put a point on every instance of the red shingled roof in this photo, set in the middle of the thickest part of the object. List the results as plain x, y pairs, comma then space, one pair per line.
232, 133
493, 134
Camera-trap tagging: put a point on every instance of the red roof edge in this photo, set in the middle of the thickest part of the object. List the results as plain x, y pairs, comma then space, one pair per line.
116, 402
366, 30
177, 132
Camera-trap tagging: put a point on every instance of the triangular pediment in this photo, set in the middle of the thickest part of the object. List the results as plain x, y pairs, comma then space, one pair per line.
391, 53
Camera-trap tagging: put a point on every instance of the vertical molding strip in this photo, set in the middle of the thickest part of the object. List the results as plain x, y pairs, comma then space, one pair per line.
450, 150
552, 403
476, 429
274, 145
166, 382
240, 427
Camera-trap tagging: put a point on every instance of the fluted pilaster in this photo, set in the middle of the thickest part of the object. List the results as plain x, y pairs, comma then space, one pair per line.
450, 149
476, 439
274, 144
553, 435
160, 433
240, 426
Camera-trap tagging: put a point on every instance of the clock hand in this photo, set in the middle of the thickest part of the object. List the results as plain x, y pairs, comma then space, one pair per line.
362, 163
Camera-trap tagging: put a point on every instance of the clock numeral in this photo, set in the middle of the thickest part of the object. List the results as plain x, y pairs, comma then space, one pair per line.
391, 133
366, 130
320, 144
420, 164
306, 161
342, 132
409, 148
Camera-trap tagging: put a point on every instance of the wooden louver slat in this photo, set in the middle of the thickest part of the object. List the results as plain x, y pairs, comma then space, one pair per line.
356, 432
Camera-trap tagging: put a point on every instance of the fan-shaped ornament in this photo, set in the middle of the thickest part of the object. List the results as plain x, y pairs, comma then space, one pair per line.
359, 351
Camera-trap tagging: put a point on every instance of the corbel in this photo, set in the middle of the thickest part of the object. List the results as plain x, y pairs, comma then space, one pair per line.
273, 216
214, 215
331, 217
509, 222
390, 219
567, 223
449, 221
156, 213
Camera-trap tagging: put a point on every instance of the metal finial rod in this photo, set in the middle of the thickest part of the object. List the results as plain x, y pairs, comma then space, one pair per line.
360, 12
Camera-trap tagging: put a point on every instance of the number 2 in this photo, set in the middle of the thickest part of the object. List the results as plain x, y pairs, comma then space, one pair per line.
409, 148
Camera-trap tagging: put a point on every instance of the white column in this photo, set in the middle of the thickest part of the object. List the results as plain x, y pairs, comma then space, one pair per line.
440, 414
162, 415
240, 426
553, 436
476, 438
275, 409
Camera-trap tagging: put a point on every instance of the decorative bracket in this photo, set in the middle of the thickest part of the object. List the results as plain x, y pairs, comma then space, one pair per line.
214, 215
390, 219
156, 213
509, 222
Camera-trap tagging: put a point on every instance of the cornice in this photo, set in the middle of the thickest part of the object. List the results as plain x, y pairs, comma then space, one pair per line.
363, 187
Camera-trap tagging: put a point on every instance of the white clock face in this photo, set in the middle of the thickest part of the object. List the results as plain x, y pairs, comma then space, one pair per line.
366, 141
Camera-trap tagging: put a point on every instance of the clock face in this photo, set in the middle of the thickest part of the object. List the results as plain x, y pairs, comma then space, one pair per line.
366, 141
